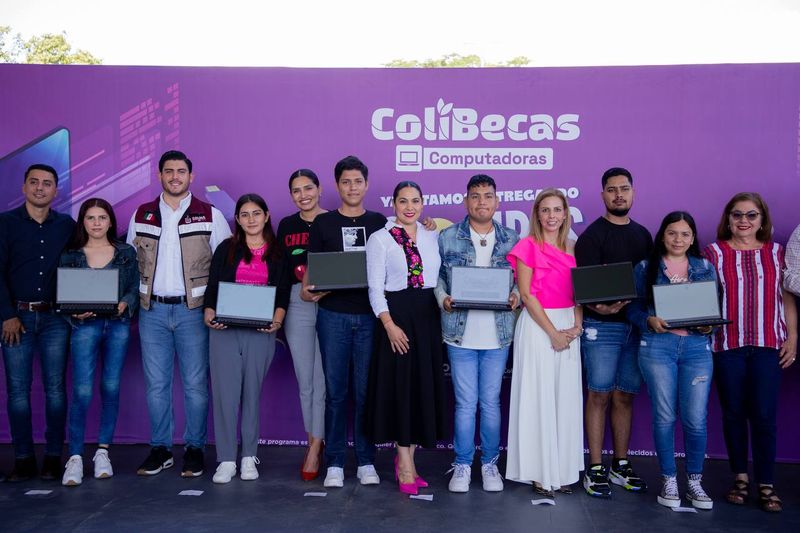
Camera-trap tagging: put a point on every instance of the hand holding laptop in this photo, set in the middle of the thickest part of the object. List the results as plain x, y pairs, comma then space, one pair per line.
83, 316
608, 309
209, 317
659, 325
307, 294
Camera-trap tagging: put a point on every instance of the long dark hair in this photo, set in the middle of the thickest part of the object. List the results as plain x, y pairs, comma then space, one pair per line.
660, 249
239, 238
80, 237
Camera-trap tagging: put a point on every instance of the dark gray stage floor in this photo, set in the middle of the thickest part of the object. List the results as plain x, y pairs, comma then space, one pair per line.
276, 502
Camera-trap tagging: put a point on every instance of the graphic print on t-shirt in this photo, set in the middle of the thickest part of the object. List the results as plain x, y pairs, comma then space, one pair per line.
354, 238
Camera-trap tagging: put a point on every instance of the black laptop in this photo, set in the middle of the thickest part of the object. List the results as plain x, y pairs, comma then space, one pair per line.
87, 290
330, 271
481, 287
687, 305
603, 283
245, 306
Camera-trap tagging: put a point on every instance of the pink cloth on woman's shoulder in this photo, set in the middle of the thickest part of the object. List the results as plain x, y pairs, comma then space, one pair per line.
551, 282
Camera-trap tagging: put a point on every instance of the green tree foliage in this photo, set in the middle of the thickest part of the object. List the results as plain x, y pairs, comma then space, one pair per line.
456, 61
46, 49
10, 45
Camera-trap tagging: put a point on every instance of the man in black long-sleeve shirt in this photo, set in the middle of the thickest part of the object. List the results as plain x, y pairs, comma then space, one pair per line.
32, 238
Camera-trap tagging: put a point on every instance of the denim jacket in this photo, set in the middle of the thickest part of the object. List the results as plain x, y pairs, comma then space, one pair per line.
125, 261
456, 249
640, 309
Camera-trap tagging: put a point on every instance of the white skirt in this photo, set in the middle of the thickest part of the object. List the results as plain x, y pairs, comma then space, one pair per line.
545, 423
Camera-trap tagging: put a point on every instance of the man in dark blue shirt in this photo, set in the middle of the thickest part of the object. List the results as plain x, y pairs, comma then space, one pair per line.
32, 238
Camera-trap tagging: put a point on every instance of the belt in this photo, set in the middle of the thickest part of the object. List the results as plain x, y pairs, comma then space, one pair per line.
34, 306
171, 300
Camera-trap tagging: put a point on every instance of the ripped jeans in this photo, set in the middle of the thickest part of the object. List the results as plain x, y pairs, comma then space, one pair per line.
678, 371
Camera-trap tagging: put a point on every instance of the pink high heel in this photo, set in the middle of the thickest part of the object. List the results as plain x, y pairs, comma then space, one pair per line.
421, 483
405, 488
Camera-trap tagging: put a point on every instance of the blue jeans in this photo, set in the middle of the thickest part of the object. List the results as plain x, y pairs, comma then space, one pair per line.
167, 329
345, 341
748, 381
678, 372
48, 334
609, 352
88, 338
477, 376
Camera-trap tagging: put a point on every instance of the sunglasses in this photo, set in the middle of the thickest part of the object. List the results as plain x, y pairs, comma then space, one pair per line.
750, 215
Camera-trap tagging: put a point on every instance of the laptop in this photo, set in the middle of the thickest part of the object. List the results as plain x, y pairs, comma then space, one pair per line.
330, 271
245, 306
485, 288
686, 305
603, 283
87, 290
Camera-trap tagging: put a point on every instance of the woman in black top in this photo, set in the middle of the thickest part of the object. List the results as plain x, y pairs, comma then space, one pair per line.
301, 333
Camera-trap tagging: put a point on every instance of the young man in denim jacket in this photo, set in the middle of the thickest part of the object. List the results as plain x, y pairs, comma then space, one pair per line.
477, 340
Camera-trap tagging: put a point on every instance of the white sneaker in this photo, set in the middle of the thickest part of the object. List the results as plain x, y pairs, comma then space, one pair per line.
249, 470
367, 475
492, 481
335, 477
73, 472
102, 464
462, 475
225, 472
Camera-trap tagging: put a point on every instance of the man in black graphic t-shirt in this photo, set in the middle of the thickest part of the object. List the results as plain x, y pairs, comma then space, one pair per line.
345, 324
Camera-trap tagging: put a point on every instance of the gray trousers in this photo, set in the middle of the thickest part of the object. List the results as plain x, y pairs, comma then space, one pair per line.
239, 359
301, 333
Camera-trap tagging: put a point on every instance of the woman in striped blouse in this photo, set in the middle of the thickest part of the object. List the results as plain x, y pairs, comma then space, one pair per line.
761, 339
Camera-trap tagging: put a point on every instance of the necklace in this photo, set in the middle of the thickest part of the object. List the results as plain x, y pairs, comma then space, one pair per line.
482, 237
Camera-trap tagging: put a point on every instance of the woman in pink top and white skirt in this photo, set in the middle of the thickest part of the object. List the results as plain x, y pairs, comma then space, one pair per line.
545, 429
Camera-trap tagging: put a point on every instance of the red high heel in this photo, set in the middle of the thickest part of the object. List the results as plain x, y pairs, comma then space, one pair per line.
310, 475
405, 488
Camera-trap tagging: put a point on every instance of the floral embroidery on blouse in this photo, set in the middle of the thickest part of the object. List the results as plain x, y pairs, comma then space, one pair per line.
413, 259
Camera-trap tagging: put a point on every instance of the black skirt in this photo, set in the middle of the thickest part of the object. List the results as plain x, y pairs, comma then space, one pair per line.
405, 397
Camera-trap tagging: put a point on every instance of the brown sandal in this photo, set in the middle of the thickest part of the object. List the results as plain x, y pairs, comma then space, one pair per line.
768, 500
739, 492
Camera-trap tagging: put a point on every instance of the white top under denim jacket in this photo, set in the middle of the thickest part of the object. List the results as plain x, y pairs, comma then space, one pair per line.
642, 307
387, 268
456, 249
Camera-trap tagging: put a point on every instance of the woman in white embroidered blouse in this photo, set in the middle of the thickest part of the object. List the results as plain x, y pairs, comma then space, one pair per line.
406, 390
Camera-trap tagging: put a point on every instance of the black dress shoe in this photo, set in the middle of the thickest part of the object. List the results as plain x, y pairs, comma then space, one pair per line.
51, 468
24, 469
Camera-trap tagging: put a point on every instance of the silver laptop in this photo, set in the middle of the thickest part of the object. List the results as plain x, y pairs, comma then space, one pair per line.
329, 271
87, 290
481, 287
246, 306
686, 305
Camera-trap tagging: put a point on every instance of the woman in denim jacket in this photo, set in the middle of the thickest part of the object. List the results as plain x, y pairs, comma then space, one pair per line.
95, 245
676, 364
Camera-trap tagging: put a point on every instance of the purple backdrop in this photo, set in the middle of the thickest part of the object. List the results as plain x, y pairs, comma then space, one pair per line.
691, 135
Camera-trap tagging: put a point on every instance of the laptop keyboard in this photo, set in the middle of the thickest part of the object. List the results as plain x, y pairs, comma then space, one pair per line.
99, 309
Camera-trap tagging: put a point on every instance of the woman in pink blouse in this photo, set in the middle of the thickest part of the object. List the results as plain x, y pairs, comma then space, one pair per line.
545, 430
761, 339
239, 357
